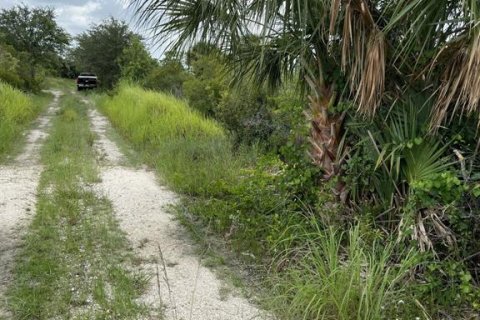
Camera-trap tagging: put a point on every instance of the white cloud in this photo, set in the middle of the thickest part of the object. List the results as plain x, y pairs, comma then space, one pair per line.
76, 18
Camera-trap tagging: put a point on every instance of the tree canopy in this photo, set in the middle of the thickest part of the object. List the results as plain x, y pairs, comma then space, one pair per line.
100, 48
34, 33
135, 60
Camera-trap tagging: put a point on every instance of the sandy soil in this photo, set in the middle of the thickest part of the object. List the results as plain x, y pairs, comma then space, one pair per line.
179, 283
107, 150
18, 183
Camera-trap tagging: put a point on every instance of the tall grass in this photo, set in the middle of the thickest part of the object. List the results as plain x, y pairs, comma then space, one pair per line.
193, 154
16, 111
339, 276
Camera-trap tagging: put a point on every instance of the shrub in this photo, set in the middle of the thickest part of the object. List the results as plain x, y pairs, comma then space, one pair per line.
204, 88
168, 77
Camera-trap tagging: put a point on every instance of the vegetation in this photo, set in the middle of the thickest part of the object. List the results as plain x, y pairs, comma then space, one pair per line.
17, 110
168, 76
75, 262
173, 138
367, 208
135, 61
364, 285
36, 41
256, 209
392, 151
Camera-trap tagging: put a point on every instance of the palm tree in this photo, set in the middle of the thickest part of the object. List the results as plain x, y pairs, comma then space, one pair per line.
366, 52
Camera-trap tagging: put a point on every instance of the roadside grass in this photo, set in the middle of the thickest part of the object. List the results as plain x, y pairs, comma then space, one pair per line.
337, 275
76, 262
193, 154
17, 111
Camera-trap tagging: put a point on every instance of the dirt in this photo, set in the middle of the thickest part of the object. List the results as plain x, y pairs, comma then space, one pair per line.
18, 184
106, 148
179, 283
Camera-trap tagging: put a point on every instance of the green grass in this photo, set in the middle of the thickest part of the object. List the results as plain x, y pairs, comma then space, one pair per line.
76, 263
17, 110
193, 154
335, 275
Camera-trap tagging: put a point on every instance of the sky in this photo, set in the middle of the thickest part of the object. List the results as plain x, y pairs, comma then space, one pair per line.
76, 16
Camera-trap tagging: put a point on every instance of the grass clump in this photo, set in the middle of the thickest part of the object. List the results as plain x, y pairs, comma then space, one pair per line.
336, 275
76, 262
193, 154
17, 110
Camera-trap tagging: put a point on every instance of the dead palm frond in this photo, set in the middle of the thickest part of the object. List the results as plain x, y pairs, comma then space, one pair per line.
459, 91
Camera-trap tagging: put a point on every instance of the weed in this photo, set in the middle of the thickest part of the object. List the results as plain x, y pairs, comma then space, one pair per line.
334, 275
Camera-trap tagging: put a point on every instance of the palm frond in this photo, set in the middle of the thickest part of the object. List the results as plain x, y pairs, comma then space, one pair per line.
459, 91
363, 53
190, 21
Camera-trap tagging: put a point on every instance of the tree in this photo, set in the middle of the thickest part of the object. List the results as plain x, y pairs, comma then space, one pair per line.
205, 87
369, 52
169, 76
100, 48
135, 61
35, 33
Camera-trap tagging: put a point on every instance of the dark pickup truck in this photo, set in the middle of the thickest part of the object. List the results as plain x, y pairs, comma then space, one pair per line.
86, 81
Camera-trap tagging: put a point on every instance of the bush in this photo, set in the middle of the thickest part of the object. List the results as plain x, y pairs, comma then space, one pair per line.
15, 70
9, 68
246, 113
168, 77
204, 88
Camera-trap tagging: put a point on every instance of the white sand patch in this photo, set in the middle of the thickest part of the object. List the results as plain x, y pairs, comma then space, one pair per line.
107, 150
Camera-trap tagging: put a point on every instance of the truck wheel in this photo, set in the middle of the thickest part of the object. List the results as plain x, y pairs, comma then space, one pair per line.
79, 89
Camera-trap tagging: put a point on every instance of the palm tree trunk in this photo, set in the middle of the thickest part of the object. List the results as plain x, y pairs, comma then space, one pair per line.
326, 134
326, 130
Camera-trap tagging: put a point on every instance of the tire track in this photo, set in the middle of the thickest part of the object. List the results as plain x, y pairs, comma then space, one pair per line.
18, 184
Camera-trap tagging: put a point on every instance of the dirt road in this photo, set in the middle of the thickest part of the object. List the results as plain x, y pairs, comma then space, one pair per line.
179, 286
